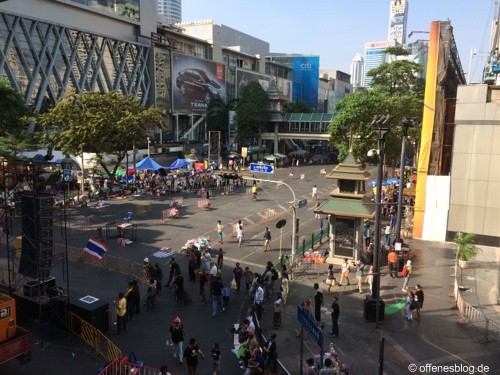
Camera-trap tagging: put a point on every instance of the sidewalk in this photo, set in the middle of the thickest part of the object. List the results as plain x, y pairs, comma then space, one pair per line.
437, 338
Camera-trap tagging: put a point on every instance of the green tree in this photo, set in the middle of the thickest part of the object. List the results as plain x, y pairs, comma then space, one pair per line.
296, 106
15, 117
397, 89
218, 116
105, 124
252, 112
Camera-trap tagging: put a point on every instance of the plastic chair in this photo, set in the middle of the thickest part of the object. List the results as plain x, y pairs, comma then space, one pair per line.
128, 218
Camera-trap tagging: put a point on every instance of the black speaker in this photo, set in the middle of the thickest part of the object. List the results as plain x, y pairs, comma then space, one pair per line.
37, 223
93, 310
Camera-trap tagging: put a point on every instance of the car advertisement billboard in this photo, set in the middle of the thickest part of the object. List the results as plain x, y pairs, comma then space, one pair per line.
195, 82
243, 77
305, 79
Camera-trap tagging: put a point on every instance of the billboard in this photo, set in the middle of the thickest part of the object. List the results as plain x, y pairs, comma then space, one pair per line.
195, 82
243, 77
397, 21
305, 79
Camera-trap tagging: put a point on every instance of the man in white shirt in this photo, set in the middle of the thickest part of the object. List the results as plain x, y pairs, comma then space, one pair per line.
258, 300
314, 193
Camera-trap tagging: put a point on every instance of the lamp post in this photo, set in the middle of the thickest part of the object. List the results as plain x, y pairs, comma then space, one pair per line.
149, 142
405, 125
382, 125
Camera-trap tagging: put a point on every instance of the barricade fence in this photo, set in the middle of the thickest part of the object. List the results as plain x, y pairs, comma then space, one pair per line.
471, 315
92, 336
124, 367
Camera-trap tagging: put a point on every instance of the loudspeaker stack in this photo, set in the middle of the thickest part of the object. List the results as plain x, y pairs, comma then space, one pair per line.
38, 239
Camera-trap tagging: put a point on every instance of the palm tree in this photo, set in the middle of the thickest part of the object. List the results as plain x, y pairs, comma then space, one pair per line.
218, 116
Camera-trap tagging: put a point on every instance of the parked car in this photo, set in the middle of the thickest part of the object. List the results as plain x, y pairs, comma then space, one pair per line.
197, 82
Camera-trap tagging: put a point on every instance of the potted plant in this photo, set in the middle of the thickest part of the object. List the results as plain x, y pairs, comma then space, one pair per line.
466, 248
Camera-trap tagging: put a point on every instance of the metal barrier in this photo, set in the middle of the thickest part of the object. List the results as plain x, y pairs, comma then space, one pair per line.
124, 367
92, 336
475, 317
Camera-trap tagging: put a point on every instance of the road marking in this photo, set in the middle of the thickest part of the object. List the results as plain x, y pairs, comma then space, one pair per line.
246, 263
250, 221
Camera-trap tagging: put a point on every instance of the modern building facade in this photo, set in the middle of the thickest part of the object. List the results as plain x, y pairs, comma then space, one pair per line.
333, 86
374, 56
398, 14
357, 70
48, 48
170, 11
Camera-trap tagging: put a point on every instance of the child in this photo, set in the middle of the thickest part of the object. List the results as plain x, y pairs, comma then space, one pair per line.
216, 358
291, 173
226, 293
277, 312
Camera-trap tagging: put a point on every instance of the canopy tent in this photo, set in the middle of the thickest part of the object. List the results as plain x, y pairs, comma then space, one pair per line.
271, 157
298, 153
281, 156
179, 163
148, 163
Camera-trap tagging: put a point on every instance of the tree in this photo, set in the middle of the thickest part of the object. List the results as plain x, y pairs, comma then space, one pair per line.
353, 122
397, 89
15, 117
105, 124
218, 116
251, 112
296, 106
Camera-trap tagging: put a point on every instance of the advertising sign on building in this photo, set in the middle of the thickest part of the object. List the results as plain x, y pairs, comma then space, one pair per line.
305, 79
195, 82
397, 21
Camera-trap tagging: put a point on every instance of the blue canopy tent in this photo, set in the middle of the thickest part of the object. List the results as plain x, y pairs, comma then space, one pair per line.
179, 163
148, 163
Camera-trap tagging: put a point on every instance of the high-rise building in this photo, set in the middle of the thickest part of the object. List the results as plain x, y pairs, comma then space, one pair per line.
374, 56
357, 70
171, 10
398, 15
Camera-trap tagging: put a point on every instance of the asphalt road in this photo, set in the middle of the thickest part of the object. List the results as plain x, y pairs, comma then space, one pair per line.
437, 339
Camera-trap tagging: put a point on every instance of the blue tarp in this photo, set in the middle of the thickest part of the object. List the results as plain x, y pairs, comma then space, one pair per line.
148, 163
179, 163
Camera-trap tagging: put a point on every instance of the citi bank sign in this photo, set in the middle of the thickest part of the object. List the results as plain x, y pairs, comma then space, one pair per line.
306, 65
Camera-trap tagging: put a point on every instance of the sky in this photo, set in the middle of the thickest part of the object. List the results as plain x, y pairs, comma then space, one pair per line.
337, 29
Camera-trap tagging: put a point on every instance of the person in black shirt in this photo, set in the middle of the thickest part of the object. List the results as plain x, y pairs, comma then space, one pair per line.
178, 287
216, 358
191, 356
171, 272
419, 299
335, 317
217, 287
318, 303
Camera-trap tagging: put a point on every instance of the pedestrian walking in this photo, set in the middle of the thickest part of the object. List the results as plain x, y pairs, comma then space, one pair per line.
173, 269
216, 357
310, 368
158, 276
178, 286
121, 310
203, 286
369, 278
258, 300
220, 259
367, 234
317, 214
192, 265
270, 350
409, 304
176, 335
419, 299
392, 261
238, 275
219, 228
314, 193
387, 235
359, 274
130, 298
150, 294
239, 233
406, 273
318, 302
335, 317
267, 239
284, 287
217, 287
330, 279
248, 275
191, 354
344, 272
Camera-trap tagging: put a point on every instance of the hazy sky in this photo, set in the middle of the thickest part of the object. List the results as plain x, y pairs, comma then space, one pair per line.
337, 29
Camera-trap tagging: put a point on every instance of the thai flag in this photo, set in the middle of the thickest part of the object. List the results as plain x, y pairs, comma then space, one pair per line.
95, 249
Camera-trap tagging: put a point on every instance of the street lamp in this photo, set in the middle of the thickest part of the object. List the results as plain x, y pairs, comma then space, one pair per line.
149, 142
382, 125
405, 125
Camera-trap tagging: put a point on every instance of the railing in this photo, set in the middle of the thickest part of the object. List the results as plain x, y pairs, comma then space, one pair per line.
277, 368
124, 367
92, 336
475, 317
